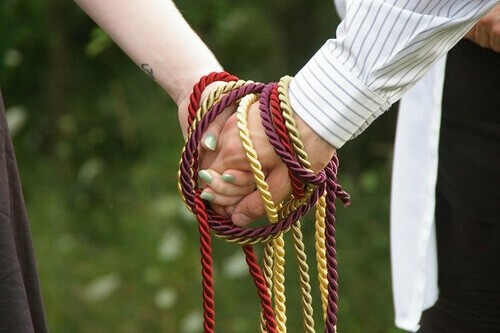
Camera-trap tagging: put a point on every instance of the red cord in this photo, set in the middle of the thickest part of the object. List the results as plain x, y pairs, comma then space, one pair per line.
279, 123
205, 238
194, 98
206, 265
260, 283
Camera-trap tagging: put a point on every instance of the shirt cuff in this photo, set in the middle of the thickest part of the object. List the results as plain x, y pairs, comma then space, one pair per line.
331, 100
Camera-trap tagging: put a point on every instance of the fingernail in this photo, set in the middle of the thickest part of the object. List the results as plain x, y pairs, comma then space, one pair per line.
241, 220
206, 176
207, 196
228, 178
210, 141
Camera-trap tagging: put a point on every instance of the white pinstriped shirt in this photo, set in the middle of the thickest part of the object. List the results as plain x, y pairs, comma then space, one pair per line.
382, 48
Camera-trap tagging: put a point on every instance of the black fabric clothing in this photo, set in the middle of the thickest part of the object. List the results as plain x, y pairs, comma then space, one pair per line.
468, 196
21, 308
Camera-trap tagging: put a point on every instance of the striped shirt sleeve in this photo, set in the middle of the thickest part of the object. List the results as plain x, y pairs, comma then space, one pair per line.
382, 48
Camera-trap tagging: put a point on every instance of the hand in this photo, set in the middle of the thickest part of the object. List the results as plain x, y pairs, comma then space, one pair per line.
209, 140
486, 32
239, 199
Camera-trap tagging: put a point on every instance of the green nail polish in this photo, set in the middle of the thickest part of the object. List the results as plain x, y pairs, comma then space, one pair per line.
207, 196
228, 178
210, 142
206, 176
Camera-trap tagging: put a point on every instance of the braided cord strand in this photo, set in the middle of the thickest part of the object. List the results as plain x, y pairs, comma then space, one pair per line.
189, 185
194, 117
279, 282
260, 282
268, 275
327, 264
194, 98
251, 154
206, 264
278, 277
309, 189
319, 236
298, 191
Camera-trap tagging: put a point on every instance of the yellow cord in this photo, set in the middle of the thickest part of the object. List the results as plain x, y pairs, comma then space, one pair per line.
268, 275
305, 286
321, 252
274, 250
252, 157
279, 283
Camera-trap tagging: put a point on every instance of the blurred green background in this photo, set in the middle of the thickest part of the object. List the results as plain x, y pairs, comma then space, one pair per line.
98, 145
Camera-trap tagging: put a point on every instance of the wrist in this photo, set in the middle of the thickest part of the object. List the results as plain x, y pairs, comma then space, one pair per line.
320, 150
181, 89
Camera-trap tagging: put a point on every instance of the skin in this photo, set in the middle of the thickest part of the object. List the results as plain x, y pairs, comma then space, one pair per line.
158, 39
177, 60
240, 200
486, 32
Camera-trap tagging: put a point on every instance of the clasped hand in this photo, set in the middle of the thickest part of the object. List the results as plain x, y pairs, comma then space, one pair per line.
229, 184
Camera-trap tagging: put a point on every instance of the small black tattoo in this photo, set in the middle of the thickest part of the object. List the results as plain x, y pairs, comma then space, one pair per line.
146, 68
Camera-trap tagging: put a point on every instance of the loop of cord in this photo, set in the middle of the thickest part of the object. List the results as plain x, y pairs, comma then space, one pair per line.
308, 189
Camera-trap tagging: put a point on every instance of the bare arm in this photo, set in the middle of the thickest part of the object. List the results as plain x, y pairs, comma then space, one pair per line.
157, 38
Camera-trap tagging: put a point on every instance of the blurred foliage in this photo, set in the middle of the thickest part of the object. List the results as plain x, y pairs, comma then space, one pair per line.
98, 147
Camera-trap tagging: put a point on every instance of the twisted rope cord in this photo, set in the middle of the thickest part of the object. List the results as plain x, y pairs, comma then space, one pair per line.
290, 123
195, 116
279, 283
279, 124
206, 264
253, 159
278, 277
194, 98
207, 272
319, 236
315, 186
298, 191
320, 205
268, 275
260, 282
305, 285
332, 191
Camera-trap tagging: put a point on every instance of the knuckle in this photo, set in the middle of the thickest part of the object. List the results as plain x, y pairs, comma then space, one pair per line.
255, 208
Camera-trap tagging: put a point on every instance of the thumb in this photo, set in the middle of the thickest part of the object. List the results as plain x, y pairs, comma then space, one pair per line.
211, 136
251, 207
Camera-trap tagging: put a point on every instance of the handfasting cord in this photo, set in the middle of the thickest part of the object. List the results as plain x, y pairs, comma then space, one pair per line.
308, 189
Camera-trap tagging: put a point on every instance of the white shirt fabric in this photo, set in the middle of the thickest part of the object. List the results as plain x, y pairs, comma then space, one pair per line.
414, 174
382, 49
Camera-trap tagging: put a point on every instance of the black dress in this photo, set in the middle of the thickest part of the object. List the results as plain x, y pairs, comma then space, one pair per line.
468, 196
21, 308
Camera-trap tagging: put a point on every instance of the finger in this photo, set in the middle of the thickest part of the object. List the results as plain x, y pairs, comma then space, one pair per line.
235, 178
210, 138
223, 210
219, 199
238, 177
225, 184
252, 207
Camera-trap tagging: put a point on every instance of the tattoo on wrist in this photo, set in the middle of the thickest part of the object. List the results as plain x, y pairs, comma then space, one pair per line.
146, 68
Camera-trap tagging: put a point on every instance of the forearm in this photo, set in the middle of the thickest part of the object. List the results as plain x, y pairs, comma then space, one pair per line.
157, 38
382, 48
